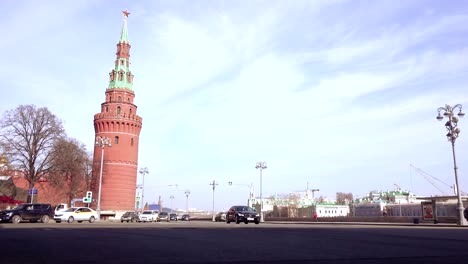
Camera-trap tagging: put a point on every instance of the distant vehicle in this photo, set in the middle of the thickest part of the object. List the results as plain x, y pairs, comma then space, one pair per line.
242, 213
465, 213
163, 216
173, 217
148, 216
129, 217
28, 212
61, 207
220, 217
185, 217
79, 214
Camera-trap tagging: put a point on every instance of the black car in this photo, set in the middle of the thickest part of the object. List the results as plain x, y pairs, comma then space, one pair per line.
185, 217
465, 213
173, 217
28, 212
129, 217
242, 213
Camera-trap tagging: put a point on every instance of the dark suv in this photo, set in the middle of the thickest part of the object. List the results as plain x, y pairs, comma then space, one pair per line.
28, 212
242, 213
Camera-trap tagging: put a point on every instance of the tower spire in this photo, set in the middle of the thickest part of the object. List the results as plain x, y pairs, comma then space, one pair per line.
124, 33
121, 77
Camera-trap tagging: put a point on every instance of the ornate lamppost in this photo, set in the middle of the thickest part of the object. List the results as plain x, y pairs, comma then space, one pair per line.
261, 165
452, 135
143, 172
101, 142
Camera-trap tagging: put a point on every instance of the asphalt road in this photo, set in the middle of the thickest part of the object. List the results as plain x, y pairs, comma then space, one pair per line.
207, 242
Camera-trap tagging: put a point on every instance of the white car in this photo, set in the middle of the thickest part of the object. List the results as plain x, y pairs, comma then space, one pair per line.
148, 216
79, 214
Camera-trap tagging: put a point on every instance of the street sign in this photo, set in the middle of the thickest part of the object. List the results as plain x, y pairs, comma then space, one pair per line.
32, 191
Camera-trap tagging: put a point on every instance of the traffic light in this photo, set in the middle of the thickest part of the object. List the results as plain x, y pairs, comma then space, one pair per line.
88, 197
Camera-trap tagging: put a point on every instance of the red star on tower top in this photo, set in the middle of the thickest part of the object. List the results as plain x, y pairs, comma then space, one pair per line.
125, 13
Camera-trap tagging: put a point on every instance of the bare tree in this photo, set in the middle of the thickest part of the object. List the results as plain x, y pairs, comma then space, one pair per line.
27, 135
88, 170
321, 199
344, 198
71, 167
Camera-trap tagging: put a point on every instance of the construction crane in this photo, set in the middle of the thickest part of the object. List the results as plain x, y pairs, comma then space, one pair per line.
431, 179
310, 191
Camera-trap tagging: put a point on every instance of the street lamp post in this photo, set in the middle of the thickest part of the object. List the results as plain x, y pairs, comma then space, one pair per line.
213, 184
261, 165
101, 142
171, 198
143, 172
187, 193
452, 135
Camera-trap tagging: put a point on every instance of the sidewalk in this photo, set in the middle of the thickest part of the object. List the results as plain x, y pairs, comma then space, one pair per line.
427, 224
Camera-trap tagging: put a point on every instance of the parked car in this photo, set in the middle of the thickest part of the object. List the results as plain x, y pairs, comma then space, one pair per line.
220, 217
163, 216
242, 213
28, 212
465, 213
79, 214
148, 216
129, 217
173, 217
185, 217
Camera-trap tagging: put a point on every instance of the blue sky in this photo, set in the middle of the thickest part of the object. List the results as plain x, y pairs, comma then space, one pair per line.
340, 94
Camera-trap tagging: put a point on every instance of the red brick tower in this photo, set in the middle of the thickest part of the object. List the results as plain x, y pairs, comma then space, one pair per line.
118, 121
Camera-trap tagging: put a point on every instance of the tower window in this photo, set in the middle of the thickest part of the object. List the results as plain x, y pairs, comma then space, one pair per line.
131, 142
121, 74
130, 111
116, 140
118, 110
119, 99
107, 109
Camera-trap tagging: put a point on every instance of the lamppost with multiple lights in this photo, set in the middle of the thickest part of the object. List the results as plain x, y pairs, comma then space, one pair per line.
213, 184
101, 142
187, 193
143, 172
452, 135
261, 165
